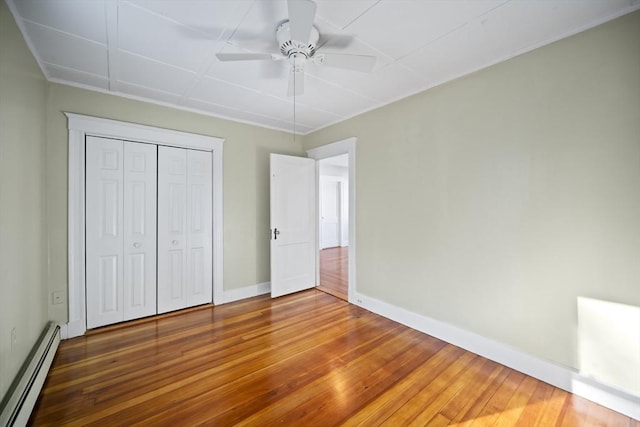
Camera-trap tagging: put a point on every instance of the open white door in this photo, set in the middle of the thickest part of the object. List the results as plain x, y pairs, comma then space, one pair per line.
293, 230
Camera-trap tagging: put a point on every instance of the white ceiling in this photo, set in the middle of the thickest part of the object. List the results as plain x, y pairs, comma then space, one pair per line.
164, 50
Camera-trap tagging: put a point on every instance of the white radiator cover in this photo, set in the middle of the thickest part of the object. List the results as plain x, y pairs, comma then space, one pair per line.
16, 408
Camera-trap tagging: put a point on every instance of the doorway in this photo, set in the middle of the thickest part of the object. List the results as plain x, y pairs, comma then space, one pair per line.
336, 224
333, 225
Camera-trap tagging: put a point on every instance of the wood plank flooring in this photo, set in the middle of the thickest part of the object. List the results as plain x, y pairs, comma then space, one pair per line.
334, 268
307, 359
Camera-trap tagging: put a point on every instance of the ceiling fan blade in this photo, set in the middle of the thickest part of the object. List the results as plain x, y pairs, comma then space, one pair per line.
363, 63
301, 16
296, 83
335, 41
244, 56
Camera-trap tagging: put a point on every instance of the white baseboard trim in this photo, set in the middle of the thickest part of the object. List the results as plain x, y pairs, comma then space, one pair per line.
550, 372
75, 328
64, 331
246, 292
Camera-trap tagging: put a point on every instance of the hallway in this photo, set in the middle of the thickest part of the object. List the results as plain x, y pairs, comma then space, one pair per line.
334, 272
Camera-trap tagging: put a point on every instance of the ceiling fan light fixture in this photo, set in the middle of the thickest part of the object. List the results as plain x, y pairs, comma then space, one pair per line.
297, 61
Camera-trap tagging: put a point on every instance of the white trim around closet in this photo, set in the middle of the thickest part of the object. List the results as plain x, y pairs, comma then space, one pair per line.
79, 126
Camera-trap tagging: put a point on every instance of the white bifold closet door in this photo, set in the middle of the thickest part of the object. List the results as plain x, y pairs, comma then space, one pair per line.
184, 228
120, 230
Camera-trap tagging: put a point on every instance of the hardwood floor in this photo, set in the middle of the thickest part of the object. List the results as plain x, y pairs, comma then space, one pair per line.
304, 359
334, 267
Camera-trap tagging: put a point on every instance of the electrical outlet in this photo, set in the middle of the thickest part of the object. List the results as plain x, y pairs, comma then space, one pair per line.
57, 297
14, 338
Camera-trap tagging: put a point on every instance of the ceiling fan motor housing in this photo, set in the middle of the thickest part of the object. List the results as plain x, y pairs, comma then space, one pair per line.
297, 50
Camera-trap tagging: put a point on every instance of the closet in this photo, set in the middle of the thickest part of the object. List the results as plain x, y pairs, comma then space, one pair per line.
148, 229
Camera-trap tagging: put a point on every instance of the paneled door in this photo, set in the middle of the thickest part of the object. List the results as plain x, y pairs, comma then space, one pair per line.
184, 228
120, 230
293, 224
140, 197
199, 223
172, 229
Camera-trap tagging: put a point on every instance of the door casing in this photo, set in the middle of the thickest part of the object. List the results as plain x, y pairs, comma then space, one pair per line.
345, 146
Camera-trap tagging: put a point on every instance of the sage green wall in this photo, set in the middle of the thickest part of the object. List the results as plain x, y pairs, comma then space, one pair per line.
492, 202
23, 292
245, 186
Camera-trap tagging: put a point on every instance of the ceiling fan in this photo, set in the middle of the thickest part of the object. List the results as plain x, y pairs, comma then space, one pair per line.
298, 40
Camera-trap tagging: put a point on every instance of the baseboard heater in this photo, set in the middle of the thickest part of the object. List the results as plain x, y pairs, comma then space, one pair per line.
16, 407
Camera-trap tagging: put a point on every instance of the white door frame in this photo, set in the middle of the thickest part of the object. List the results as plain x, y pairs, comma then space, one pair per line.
346, 146
80, 126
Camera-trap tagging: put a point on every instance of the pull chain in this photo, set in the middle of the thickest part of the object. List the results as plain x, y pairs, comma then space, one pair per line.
294, 105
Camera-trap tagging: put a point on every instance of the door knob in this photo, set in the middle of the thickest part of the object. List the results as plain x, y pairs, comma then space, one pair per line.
174, 242
137, 244
276, 232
